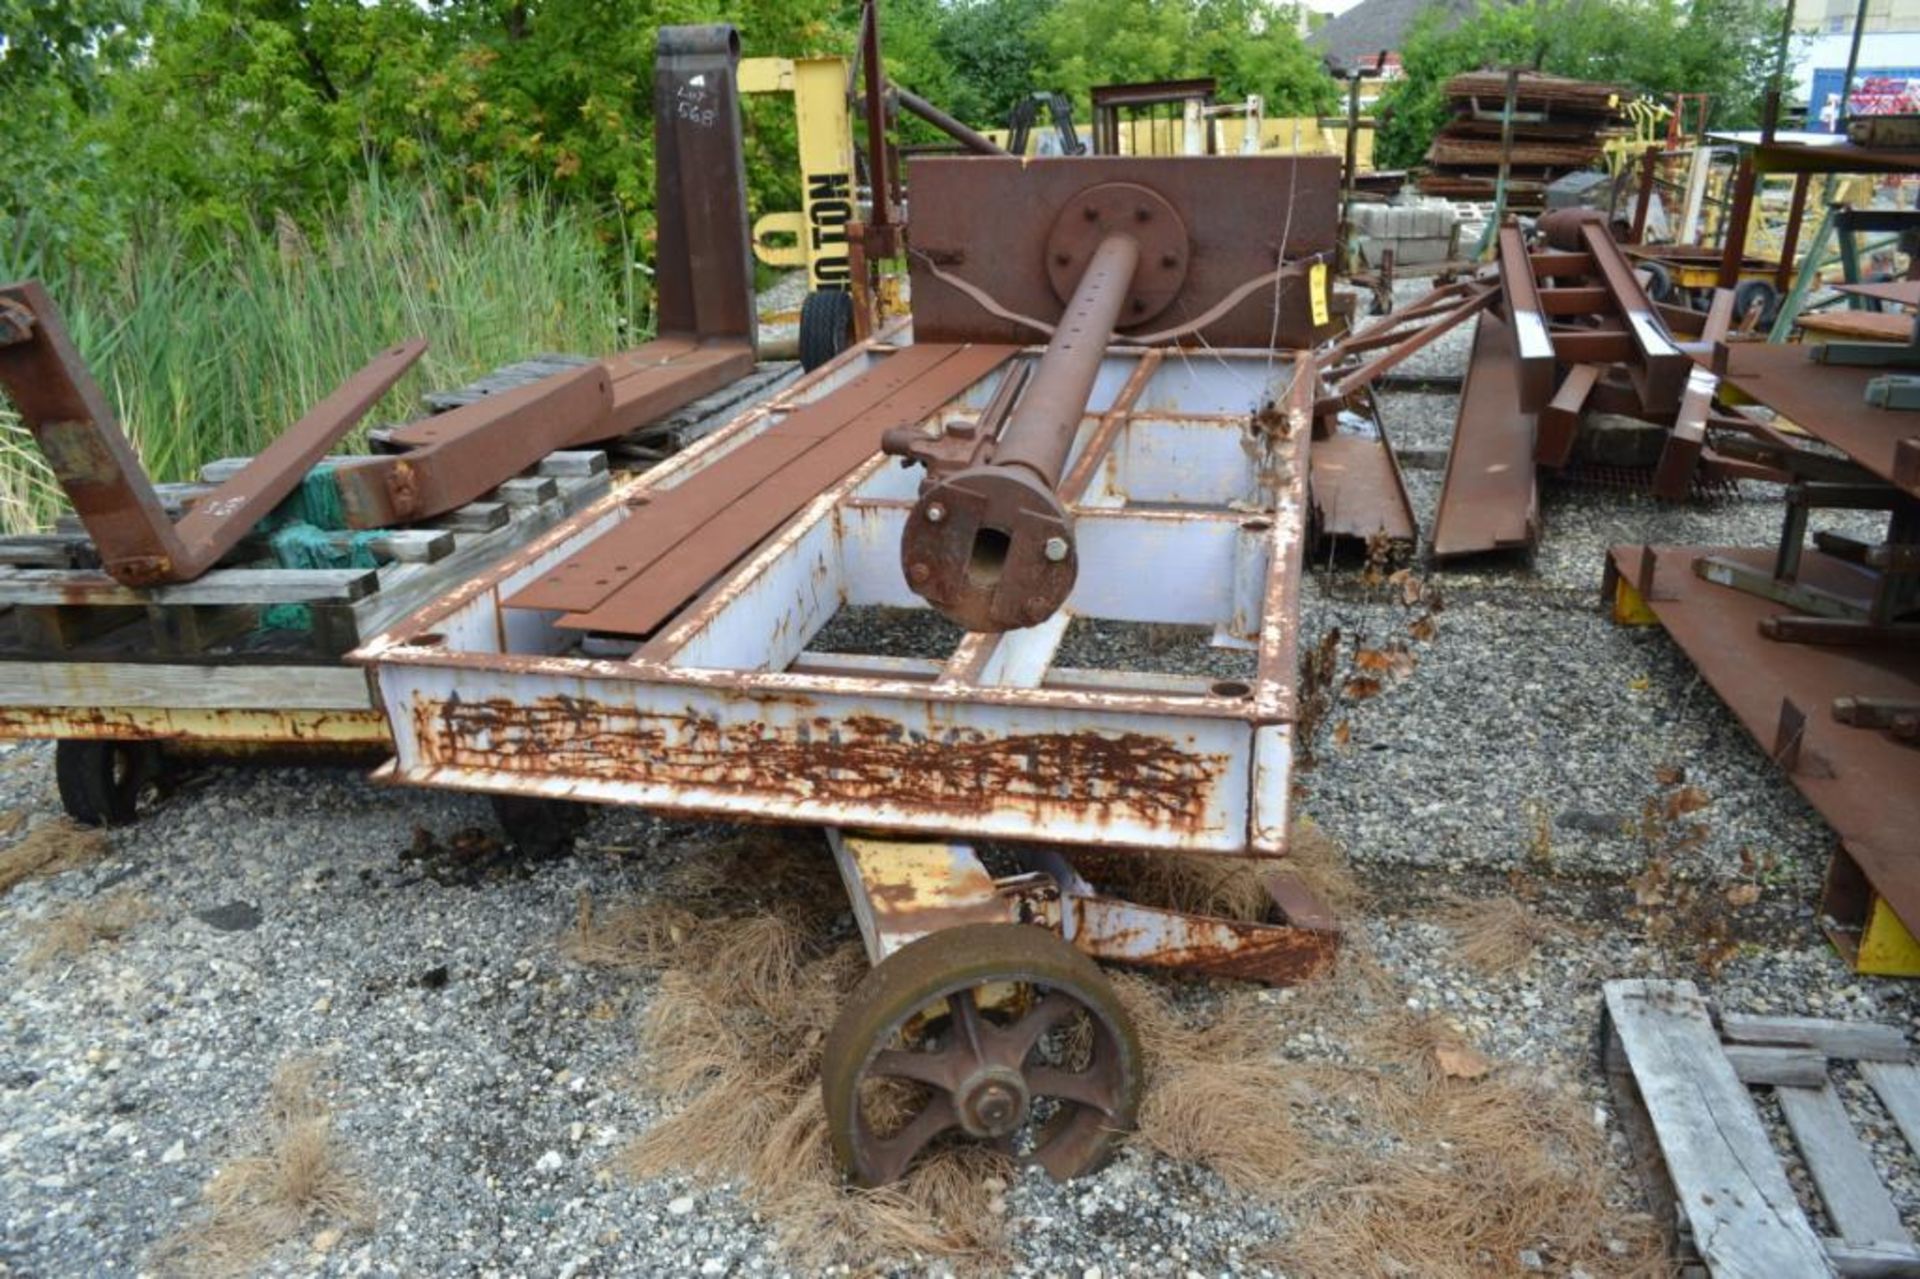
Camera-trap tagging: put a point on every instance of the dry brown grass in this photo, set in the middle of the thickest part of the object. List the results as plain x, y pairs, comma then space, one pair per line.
48, 849
1496, 935
1371, 1138
71, 931
296, 1177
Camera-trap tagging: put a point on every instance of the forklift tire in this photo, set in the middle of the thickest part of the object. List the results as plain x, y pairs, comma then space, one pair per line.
1751, 291
826, 327
1659, 281
100, 781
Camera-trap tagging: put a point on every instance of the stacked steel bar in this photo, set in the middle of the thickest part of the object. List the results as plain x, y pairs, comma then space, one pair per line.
1560, 126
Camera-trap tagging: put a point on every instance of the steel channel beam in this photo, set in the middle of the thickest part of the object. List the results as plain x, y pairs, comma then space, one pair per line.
1532, 343
1661, 371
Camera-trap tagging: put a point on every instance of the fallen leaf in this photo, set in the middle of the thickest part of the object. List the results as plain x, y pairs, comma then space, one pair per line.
12, 820
1688, 799
1342, 734
1640, 685
1370, 659
1423, 628
1361, 687
1457, 1061
1669, 774
1743, 895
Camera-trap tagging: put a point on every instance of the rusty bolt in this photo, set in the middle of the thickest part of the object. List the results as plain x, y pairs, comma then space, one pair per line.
1056, 549
936, 513
1062, 259
1137, 304
1169, 260
1088, 212
918, 573
1141, 213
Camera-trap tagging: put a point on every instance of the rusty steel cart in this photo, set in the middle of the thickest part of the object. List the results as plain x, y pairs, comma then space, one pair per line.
670, 648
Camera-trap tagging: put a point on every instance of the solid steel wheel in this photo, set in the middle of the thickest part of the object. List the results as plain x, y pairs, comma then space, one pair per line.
1000, 1032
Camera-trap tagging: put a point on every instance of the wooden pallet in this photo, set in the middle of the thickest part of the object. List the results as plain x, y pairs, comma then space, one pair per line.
53, 608
1685, 1083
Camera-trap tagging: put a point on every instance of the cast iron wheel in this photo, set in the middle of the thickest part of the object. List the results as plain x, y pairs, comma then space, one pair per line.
539, 828
1002, 1033
100, 782
826, 327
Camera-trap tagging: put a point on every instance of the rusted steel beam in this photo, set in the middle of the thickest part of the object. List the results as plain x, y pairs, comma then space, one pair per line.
454, 457
96, 466
1464, 307
1660, 367
643, 570
1560, 420
1533, 346
1680, 456
1489, 501
704, 250
971, 139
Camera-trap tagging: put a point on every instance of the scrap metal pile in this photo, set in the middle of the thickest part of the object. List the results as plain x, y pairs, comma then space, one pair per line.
1559, 127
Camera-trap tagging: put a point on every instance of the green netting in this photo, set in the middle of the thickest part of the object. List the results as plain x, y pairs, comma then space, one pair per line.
308, 530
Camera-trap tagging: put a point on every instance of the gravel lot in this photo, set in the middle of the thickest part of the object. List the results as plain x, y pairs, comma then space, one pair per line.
482, 1081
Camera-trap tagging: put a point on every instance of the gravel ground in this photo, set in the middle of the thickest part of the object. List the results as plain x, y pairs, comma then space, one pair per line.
482, 1081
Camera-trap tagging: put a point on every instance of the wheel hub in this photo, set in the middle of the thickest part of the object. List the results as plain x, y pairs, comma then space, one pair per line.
992, 1102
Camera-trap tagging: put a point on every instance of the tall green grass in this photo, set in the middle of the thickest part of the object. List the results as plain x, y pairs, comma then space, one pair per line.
209, 351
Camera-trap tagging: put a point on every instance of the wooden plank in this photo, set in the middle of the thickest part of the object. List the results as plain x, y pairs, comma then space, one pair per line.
1857, 1202
526, 490
1859, 1041
182, 687
1898, 1085
1874, 1260
572, 463
475, 517
221, 586
405, 589
1730, 1184
1774, 1067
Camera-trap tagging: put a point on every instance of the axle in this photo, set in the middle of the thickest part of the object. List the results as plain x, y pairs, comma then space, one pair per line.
991, 545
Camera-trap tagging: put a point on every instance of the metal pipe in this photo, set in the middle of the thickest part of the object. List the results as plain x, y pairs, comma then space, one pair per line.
991, 542
1041, 432
877, 175
1853, 64
976, 142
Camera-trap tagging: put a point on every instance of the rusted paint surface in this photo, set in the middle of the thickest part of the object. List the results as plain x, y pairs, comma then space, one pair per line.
41, 723
1126, 932
1131, 777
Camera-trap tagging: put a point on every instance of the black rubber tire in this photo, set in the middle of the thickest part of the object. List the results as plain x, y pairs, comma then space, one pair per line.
1659, 281
100, 781
1747, 292
539, 829
826, 327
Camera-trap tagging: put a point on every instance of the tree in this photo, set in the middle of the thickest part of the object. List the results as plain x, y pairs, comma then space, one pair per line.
1248, 46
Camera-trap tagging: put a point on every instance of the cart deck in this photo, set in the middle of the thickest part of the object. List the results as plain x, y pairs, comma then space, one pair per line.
1190, 512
